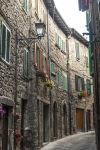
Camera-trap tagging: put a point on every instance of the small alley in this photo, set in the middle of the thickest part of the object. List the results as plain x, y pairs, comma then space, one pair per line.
80, 141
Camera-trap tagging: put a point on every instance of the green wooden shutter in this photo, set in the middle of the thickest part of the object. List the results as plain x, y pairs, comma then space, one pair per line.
76, 82
52, 67
56, 38
65, 83
83, 84
64, 46
59, 77
77, 50
25, 5
8, 45
88, 83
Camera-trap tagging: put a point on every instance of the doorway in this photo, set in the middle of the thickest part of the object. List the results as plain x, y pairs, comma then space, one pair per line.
88, 121
79, 119
45, 122
64, 120
55, 119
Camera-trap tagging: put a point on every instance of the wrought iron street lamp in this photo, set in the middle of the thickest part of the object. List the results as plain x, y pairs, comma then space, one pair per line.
40, 29
40, 32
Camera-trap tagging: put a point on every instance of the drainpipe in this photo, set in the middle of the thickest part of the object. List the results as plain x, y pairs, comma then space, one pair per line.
16, 86
69, 94
50, 96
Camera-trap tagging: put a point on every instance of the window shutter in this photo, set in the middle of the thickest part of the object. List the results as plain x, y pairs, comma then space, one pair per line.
56, 37
64, 46
8, 45
87, 64
77, 50
52, 67
25, 5
41, 61
35, 61
83, 85
76, 82
3, 41
88, 86
65, 83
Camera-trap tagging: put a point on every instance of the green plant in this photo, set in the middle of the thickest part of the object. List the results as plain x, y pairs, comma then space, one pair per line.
49, 83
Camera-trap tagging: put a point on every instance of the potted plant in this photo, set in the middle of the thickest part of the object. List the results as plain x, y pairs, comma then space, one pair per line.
49, 83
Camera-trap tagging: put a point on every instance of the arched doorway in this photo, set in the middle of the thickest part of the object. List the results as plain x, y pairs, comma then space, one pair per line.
64, 120
55, 119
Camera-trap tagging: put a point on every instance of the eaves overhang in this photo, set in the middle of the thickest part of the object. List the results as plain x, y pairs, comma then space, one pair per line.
79, 37
54, 13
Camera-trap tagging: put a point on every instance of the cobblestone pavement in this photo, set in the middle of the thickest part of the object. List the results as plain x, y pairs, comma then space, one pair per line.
80, 141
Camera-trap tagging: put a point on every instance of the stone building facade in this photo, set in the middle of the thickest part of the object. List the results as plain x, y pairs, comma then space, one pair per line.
81, 84
34, 76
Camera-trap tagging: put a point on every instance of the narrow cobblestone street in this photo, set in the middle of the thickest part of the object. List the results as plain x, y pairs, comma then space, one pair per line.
80, 141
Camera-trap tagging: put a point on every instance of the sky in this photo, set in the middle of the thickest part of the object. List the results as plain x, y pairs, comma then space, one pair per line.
70, 13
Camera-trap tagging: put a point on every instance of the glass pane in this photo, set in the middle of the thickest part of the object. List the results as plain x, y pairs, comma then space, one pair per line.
8, 45
3, 41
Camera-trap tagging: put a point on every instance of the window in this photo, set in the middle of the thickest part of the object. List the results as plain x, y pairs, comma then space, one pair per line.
5, 37
77, 50
88, 86
65, 82
25, 65
79, 83
25, 5
60, 43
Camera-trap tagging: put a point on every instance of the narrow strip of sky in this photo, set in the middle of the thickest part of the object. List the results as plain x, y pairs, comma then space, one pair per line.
70, 12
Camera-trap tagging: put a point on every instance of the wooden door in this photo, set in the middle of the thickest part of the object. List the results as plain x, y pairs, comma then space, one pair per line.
79, 119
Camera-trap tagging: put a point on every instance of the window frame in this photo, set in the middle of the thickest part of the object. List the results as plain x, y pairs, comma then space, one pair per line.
79, 83
7, 29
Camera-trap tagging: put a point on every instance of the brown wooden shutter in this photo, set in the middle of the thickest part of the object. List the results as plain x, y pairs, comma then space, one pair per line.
35, 61
41, 60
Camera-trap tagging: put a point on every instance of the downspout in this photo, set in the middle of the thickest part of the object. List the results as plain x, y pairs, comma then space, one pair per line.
69, 94
49, 74
16, 86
